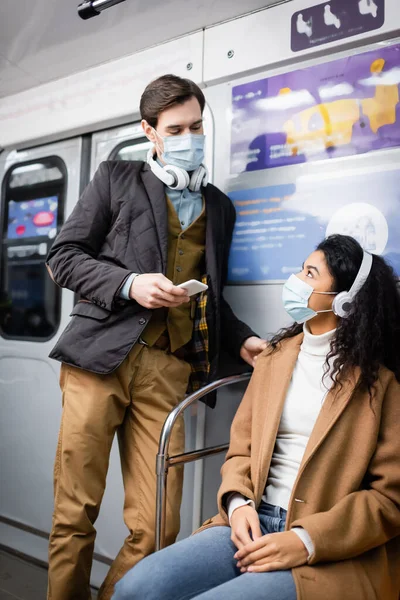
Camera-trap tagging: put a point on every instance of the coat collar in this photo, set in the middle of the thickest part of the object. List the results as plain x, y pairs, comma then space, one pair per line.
213, 227
333, 406
282, 364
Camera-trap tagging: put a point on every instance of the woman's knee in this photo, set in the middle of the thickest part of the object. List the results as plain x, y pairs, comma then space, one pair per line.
280, 585
124, 589
139, 582
186, 562
154, 577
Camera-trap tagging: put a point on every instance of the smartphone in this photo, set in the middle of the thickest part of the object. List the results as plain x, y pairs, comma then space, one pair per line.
193, 286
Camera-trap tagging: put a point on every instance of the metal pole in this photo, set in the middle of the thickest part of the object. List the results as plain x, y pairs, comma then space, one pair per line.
163, 461
161, 503
198, 471
92, 8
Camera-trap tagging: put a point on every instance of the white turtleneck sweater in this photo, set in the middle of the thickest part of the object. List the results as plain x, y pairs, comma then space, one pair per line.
305, 396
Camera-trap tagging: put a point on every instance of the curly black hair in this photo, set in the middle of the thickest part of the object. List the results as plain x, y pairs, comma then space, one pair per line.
370, 336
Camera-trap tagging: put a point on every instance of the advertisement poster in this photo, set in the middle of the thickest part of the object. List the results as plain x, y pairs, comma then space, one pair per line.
341, 108
277, 227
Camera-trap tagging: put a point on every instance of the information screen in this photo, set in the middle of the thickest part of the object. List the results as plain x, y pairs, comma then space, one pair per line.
32, 218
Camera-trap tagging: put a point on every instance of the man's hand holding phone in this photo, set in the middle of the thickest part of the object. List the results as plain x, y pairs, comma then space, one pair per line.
154, 290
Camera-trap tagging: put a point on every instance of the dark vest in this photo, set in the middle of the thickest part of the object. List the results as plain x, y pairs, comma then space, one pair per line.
185, 261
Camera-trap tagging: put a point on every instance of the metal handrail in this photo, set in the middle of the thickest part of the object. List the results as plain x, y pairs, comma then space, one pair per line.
164, 462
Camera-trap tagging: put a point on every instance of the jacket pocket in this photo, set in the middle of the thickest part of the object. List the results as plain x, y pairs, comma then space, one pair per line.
90, 310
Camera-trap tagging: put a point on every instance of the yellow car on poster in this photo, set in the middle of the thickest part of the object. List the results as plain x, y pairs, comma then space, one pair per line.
331, 124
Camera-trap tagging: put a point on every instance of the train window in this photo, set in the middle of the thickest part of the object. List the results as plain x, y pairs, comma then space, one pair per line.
32, 211
131, 150
34, 173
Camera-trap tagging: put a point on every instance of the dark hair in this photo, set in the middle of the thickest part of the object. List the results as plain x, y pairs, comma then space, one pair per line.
370, 336
167, 91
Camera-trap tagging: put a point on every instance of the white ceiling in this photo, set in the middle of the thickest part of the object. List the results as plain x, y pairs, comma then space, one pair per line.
43, 40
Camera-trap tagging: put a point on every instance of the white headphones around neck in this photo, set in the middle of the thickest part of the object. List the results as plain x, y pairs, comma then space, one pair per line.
342, 303
177, 178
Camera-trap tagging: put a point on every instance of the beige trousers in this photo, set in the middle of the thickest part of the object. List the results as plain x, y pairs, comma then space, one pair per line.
134, 402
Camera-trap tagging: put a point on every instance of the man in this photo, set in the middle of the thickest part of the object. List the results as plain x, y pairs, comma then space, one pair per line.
136, 338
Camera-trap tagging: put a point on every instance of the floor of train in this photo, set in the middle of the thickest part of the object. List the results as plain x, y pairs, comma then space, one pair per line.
22, 580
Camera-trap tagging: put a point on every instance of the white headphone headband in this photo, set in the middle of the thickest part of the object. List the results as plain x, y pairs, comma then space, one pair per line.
362, 274
342, 304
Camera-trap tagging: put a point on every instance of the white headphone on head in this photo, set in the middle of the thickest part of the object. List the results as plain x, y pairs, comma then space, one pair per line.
342, 303
177, 178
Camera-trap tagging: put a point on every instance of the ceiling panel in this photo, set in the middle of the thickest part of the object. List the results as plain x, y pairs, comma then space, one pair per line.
47, 40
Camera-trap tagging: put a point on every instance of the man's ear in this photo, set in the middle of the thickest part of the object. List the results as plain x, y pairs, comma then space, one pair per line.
148, 131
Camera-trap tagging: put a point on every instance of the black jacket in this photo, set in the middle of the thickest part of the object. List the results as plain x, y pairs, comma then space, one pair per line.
119, 226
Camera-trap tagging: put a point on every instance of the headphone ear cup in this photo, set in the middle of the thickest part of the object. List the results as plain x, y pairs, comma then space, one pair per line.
165, 176
196, 179
199, 177
180, 175
341, 305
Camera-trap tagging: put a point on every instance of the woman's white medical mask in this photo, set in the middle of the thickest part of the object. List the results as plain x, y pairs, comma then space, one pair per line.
183, 151
295, 296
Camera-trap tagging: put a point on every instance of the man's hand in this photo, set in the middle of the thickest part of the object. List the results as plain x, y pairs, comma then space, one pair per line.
156, 291
272, 552
244, 521
251, 348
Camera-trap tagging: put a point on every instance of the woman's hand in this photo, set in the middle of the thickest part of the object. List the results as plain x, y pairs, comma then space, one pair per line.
245, 526
272, 552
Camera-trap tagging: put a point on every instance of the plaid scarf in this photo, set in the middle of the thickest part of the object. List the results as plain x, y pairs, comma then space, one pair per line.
197, 355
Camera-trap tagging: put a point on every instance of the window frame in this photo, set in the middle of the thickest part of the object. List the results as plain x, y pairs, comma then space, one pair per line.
57, 188
124, 144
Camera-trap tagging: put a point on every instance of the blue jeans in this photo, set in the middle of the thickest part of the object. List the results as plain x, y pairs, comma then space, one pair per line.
203, 567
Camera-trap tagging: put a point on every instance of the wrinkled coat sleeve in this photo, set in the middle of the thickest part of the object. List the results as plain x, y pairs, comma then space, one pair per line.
233, 331
72, 261
370, 517
236, 470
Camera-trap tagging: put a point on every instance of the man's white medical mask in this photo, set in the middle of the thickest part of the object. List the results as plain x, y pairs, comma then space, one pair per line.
183, 151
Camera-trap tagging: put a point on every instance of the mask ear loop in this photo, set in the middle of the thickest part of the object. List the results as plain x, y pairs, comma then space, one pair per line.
156, 144
325, 294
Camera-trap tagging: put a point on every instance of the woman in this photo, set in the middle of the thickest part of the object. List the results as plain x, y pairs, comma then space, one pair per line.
311, 483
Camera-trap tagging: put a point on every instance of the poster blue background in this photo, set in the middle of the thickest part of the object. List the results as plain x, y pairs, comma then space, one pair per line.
271, 245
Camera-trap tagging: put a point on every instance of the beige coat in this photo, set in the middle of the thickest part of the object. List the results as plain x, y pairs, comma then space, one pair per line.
347, 492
